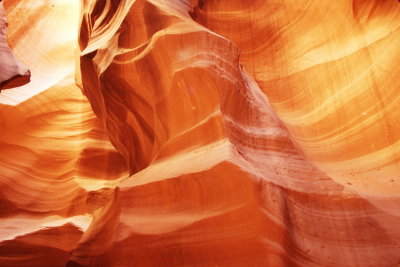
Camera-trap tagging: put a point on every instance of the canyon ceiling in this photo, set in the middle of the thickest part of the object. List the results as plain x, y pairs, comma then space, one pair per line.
199, 133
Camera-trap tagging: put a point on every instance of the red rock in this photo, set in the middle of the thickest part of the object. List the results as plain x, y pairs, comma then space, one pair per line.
210, 133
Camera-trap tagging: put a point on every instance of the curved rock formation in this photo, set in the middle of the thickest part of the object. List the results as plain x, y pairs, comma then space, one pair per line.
12, 73
254, 133
331, 76
56, 164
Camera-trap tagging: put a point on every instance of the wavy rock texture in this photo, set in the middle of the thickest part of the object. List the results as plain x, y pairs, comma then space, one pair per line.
56, 164
255, 133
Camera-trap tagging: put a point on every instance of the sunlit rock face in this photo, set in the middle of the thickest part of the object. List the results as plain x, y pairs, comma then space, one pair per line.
330, 72
12, 73
57, 166
202, 133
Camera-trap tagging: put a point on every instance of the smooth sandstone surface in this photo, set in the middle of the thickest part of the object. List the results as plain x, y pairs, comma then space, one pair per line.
12, 73
202, 133
57, 166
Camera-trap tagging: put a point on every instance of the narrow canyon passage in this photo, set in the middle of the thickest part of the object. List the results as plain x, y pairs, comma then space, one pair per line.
200, 133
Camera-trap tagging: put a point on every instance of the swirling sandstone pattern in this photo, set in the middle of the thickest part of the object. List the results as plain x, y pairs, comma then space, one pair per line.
56, 164
254, 133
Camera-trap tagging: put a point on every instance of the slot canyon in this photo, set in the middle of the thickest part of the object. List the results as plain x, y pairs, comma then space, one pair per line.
169, 133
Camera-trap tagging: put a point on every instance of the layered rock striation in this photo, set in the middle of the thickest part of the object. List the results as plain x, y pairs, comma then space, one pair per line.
209, 133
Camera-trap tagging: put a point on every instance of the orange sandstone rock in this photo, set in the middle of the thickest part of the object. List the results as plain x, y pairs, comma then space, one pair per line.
209, 133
